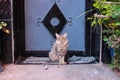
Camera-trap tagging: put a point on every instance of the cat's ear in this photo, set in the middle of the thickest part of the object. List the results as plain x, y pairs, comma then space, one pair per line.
65, 35
57, 35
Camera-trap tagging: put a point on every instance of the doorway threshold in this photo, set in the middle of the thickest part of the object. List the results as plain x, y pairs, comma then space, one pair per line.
46, 60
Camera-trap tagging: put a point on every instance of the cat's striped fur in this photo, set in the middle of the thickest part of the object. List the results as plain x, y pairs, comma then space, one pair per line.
59, 49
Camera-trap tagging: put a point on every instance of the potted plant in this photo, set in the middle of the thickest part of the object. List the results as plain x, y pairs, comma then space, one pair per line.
108, 17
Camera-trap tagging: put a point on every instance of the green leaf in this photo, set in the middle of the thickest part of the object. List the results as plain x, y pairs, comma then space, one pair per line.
105, 38
2, 24
0, 27
93, 23
118, 23
89, 18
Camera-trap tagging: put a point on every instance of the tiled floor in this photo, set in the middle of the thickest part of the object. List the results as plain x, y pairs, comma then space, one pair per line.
55, 72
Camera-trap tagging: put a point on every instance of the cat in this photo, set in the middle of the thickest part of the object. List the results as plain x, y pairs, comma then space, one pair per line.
59, 49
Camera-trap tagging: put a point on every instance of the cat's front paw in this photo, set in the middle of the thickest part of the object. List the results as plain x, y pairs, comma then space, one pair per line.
62, 63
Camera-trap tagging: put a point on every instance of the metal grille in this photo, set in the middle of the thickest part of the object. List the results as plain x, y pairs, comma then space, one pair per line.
5, 16
5, 10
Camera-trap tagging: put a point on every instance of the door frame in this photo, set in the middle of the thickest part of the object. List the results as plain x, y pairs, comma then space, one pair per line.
19, 32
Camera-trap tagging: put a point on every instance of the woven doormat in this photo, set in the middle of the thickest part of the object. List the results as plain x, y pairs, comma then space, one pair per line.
71, 60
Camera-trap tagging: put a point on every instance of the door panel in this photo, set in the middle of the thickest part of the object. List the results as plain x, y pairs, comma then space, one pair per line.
38, 37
